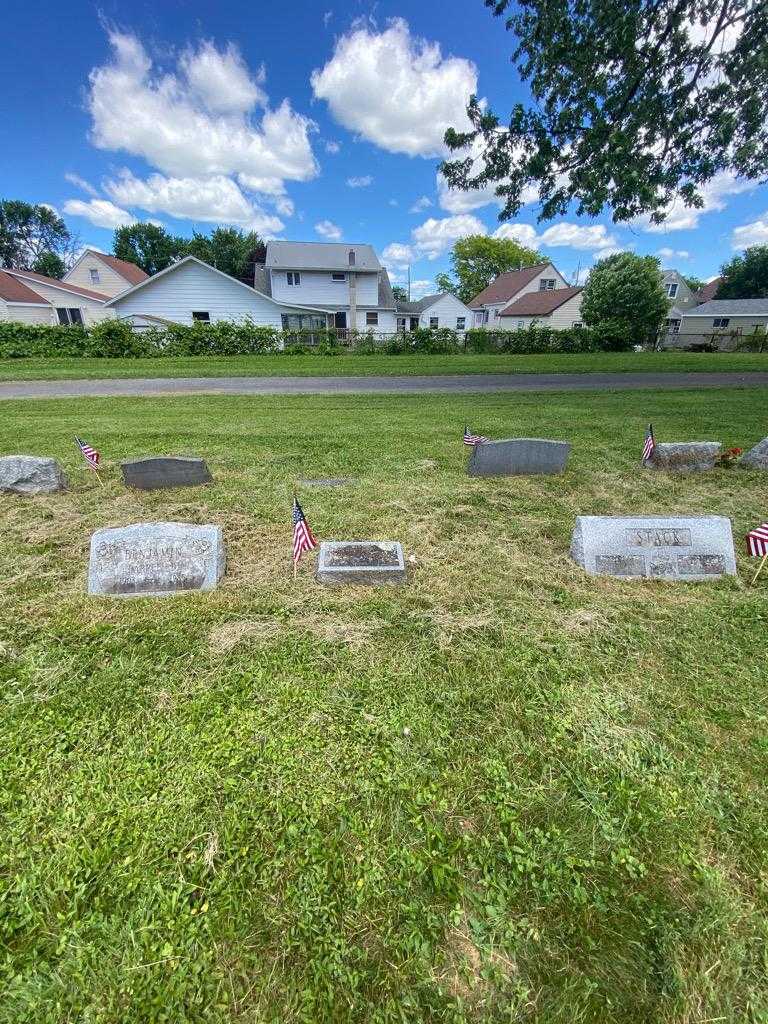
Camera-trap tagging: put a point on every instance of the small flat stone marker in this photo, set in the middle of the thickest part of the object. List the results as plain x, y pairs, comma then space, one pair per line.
676, 548
29, 474
518, 456
685, 457
155, 559
154, 473
757, 457
370, 562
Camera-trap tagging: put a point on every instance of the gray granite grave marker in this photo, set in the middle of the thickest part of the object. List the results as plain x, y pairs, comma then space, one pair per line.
155, 559
757, 457
684, 457
153, 473
678, 548
518, 456
361, 561
29, 474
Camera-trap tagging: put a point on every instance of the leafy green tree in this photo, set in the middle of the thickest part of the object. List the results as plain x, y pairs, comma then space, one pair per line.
745, 276
228, 249
694, 283
478, 259
30, 230
50, 264
401, 295
633, 105
148, 246
624, 300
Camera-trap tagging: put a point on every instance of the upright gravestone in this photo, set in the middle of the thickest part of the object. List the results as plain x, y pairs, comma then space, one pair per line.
685, 456
360, 561
518, 456
29, 474
155, 559
757, 457
153, 473
677, 547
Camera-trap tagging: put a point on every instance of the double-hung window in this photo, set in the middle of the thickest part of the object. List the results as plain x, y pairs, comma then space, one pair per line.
294, 277
94, 275
672, 289
460, 323
371, 318
338, 277
69, 316
434, 323
547, 284
721, 321
202, 315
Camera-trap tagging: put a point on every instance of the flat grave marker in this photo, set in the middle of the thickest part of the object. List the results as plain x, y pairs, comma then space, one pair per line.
155, 559
31, 474
518, 456
156, 472
370, 562
685, 456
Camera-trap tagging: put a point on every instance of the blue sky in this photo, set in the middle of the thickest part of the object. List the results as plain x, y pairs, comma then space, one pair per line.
309, 120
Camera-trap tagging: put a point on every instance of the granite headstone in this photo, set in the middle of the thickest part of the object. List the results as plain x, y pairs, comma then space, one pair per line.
361, 561
30, 474
675, 547
154, 473
518, 456
684, 456
757, 457
155, 559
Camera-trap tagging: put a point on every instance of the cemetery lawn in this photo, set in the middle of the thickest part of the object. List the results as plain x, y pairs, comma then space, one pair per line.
365, 366
505, 792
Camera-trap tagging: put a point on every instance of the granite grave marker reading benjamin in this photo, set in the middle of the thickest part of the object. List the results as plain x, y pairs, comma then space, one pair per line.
678, 548
153, 473
155, 559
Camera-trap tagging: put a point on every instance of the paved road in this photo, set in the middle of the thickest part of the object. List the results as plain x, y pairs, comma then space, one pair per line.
376, 385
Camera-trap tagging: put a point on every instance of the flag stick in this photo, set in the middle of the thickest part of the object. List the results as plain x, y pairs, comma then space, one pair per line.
98, 477
760, 568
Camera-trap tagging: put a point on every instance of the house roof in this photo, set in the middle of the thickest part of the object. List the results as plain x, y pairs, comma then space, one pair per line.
420, 305
320, 256
730, 307
386, 296
13, 290
129, 271
506, 286
53, 282
540, 303
708, 291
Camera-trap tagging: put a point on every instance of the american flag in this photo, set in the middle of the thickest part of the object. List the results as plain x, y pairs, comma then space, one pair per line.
303, 538
650, 443
473, 439
91, 456
757, 540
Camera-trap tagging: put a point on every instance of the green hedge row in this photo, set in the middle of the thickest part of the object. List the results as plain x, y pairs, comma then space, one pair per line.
117, 339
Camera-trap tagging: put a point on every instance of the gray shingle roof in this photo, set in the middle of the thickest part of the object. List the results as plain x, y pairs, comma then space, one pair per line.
730, 307
262, 282
386, 298
321, 256
420, 305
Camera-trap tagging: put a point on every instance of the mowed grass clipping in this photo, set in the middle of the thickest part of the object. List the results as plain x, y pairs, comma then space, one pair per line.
351, 365
505, 792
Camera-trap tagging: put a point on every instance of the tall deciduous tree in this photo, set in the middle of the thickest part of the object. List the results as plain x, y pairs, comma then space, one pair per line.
50, 264
148, 246
624, 300
30, 230
633, 105
477, 259
745, 276
400, 294
228, 249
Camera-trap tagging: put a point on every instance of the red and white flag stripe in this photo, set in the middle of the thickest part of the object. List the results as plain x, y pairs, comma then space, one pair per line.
757, 540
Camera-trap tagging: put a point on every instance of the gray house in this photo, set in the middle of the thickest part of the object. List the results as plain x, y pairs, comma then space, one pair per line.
732, 316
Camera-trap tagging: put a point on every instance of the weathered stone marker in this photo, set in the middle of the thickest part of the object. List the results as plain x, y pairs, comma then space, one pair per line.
153, 473
361, 561
155, 559
685, 457
29, 474
518, 456
678, 548
757, 457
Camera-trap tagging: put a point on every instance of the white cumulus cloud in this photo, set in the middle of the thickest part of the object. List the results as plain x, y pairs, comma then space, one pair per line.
670, 254
362, 182
714, 194
436, 236
328, 230
396, 254
395, 90
421, 204
588, 237
81, 183
99, 212
755, 233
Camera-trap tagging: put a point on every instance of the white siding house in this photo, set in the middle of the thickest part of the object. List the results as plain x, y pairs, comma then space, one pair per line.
104, 273
19, 303
68, 303
506, 288
558, 309
434, 311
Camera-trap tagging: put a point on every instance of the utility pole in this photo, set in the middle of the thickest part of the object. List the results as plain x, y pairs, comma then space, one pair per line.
409, 282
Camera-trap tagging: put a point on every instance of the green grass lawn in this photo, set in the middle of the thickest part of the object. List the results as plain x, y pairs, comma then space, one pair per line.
505, 792
353, 366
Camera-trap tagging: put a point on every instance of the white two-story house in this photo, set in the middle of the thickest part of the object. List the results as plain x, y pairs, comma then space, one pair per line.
491, 302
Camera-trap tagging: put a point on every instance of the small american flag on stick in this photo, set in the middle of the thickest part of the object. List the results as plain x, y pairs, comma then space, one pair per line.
473, 439
303, 538
91, 455
757, 546
650, 443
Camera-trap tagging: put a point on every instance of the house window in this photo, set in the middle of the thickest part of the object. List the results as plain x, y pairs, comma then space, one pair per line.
303, 322
351, 257
520, 324
338, 277
202, 315
495, 314
671, 289
69, 316
371, 318
547, 284
461, 322
673, 326
721, 321
578, 323
401, 324
94, 275
434, 322
294, 277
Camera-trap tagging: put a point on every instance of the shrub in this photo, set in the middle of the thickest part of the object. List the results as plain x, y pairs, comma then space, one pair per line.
19, 341
115, 339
